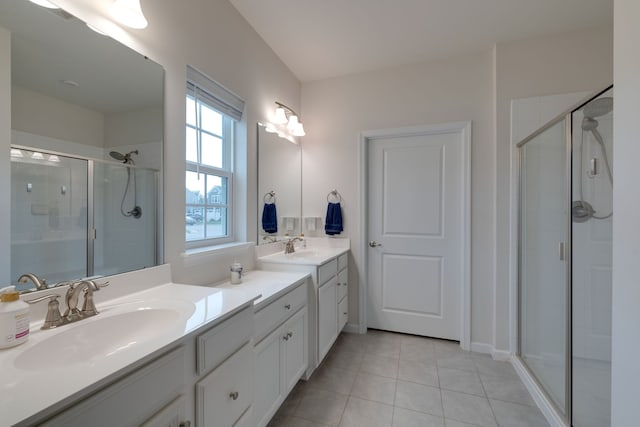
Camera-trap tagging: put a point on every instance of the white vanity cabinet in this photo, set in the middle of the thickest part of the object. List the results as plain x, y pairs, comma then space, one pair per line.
328, 298
332, 302
160, 393
281, 352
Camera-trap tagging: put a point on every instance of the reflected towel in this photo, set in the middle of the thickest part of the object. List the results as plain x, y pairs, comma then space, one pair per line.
333, 222
269, 218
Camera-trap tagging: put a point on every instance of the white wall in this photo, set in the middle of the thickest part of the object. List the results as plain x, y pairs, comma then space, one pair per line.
39, 114
336, 110
564, 63
213, 37
626, 204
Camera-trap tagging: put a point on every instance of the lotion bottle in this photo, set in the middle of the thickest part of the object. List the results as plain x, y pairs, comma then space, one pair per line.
14, 318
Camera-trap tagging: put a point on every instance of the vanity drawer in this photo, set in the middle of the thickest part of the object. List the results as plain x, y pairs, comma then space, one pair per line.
343, 284
327, 271
223, 396
218, 343
130, 401
275, 313
343, 260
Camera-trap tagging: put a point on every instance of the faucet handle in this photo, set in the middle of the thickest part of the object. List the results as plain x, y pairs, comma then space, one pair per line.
89, 306
53, 317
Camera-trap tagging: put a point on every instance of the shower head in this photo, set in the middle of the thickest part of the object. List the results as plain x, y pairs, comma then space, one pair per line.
598, 107
125, 158
589, 124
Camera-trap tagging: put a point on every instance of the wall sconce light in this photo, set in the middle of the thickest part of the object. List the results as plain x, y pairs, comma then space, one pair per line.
129, 13
284, 115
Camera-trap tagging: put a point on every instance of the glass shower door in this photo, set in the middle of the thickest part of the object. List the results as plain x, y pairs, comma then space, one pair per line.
543, 265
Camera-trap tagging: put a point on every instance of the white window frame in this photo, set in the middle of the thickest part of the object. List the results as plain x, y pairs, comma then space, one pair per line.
227, 171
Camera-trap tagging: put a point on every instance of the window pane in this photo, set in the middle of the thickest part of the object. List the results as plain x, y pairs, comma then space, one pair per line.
191, 111
212, 151
216, 222
216, 189
211, 120
194, 188
192, 145
194, 223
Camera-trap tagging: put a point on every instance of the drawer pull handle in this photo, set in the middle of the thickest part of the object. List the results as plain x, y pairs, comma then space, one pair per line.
345, 313
234, 395
290, 334
286, 337
288, 306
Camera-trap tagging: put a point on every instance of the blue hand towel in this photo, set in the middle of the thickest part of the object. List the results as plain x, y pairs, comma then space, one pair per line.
333, 222
269, 218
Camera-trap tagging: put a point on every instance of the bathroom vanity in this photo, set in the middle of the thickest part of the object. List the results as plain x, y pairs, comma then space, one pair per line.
326, 260
167, 355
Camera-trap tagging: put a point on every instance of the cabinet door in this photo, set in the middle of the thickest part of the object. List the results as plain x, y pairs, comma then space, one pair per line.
268, 389
343, 283
343, 313
327, 317
295, 350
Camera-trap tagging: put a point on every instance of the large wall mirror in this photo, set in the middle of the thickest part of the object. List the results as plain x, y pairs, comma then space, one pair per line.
86, 149
279, 187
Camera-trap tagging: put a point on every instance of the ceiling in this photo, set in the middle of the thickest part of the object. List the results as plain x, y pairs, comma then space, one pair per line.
328, 38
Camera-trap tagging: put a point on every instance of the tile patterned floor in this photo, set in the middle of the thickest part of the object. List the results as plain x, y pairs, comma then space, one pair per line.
394, 380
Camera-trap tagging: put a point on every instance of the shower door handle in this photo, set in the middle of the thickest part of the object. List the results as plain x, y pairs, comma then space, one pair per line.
561, 253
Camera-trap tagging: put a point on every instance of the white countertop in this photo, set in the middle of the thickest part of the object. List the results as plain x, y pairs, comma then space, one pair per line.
305, 256
29, 391
269, 284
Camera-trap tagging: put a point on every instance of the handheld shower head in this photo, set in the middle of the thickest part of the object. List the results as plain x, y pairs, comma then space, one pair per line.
598, 107
125, 158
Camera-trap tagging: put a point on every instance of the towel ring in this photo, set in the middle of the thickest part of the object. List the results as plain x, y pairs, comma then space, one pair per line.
336, 195
269, 197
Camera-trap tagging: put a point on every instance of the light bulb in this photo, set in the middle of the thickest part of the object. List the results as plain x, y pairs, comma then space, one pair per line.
54, 158
129, 13
293, 123
280, 117
16, 153
298, 130
37, 156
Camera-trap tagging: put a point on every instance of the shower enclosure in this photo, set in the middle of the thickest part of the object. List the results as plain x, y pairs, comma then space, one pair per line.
564, 283
74, 217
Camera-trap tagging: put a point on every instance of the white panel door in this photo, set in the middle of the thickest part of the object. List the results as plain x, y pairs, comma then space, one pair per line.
416, 201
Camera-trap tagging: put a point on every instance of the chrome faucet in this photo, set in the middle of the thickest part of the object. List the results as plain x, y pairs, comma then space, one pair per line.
289, 246
41, 284
72, 312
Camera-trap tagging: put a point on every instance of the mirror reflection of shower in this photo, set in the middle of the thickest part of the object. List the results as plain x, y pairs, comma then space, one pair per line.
582, 210
136, 212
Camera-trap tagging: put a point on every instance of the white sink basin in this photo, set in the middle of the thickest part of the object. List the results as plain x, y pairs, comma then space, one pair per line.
315, 256
102, 336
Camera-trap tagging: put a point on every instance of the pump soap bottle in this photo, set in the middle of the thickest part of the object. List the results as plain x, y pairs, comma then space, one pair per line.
14, 318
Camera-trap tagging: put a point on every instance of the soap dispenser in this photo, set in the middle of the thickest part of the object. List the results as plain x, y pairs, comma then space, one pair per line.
14, 318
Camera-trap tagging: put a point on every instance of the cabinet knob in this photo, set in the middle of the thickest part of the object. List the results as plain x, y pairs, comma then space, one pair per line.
290, 334
185, 424
234, 395
287, 306
345, 313
286, 337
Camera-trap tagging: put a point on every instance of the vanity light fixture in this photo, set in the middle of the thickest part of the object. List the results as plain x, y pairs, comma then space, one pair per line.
45, 3
285, 114
37, 155
15, 152
54, 158
129, 13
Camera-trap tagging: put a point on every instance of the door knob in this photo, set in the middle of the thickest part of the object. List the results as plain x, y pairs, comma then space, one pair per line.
373, 243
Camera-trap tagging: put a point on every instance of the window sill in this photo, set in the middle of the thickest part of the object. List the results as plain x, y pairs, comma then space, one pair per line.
208, 251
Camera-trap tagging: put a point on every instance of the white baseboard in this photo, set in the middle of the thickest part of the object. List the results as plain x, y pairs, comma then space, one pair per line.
352, 328
480, 347
546, 407
502, 355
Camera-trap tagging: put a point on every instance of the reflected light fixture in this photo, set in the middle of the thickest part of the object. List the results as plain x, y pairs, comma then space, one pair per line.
54, 158
37, 155
129, 13
15, 152
285, 114
45, 3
